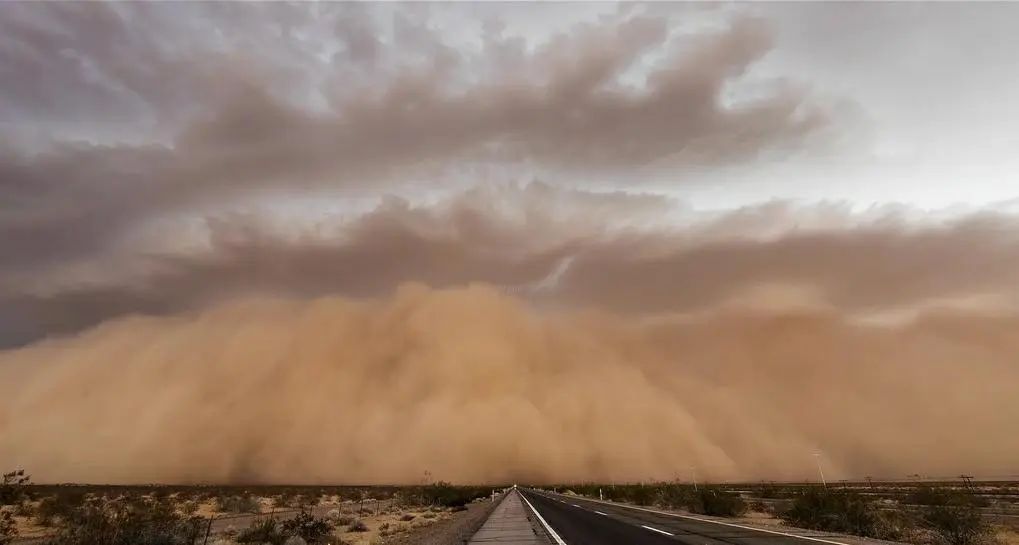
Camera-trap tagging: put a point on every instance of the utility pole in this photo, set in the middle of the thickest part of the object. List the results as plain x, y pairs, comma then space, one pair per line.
967, 480
817, 456
208, 529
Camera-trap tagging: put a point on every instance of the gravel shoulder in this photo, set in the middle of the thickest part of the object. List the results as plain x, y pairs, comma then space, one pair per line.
453, 530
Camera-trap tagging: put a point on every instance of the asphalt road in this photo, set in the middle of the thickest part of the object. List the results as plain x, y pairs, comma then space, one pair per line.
578, 521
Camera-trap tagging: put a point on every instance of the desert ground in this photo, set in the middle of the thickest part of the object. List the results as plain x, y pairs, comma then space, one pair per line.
921, 513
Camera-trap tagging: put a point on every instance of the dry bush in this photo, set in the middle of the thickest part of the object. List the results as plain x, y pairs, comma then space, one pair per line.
8, 528
345, 519
392, 529
718, 502
262, 531
308, 527
24, 509
833, 511
108, 522
955, 524
12, 487
245, 503
357, 526
64, 505
189, 508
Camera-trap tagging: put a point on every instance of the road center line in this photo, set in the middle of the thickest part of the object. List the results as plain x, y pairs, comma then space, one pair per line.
657, 530
600, 513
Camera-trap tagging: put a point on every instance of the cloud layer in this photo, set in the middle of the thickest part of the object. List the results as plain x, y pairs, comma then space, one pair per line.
618, 252
223, 129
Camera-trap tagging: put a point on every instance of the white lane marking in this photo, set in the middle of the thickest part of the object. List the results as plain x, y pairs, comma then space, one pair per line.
575, 505
698, 519
551, 532
657, 530
600, 513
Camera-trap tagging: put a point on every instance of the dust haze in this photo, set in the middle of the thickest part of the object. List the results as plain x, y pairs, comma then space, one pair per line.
474, 385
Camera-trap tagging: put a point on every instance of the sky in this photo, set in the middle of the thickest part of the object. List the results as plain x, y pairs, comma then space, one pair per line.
650, 185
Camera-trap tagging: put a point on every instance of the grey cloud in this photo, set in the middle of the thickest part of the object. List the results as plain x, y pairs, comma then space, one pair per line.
563, 109
605, 251
869, 267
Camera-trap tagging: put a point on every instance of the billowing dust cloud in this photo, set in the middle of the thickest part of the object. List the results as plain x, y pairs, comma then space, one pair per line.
473, 385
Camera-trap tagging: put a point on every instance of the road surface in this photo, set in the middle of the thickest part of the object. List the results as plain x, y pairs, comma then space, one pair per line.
579, 521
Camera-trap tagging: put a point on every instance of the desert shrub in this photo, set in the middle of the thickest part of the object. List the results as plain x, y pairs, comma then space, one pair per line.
644, 495
103, 522
262, 531
357, 526
833, 511
44, 512
345, 519
8, 528
12, 487
447, 495
428, 515
244, 503
674, 495
65, 505
939, 495
718, 502
24, 509
307, 527
894, 525
189, 508
954, 524
281, 501
387, 529
952, 515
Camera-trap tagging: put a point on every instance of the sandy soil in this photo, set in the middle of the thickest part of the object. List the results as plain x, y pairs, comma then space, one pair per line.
1006, 536
388, 527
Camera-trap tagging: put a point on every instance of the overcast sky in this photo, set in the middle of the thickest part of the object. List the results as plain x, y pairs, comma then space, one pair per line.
152, 152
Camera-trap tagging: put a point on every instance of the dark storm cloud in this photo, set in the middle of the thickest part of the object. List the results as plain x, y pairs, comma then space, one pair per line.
221, 80
574, 116
92, 64
554, 247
